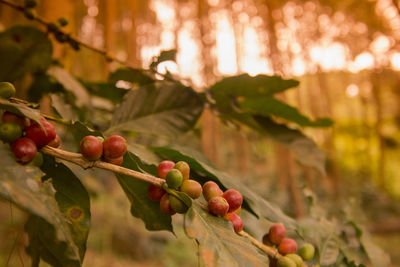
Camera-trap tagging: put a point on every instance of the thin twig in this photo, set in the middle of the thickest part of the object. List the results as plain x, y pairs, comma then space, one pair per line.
270, 251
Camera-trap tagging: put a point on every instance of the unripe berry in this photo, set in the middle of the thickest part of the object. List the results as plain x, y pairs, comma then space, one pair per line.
56, 142
155, 193
218, 206
192, 188
117, 161
177, 205
184, 168
41, 135
210, 190
24, 150
114, 147
11, 117
285, 262
276, 233
7, 90
164, 167
307, 251
165, 206
296, 259
236, 221
91, 147
9, 132
237, 211
287, 246
174, 179
37, 161
234, 199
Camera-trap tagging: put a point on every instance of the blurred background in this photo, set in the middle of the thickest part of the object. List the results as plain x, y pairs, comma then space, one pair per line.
346, 55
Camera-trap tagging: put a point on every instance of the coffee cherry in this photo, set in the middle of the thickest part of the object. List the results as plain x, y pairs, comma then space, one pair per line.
211, 189
24, 150
174, 179
236, 221
177, 205
37, 161
266, 240
237, 211
285, 262
307, 251
56, 142
91, 147
287, 246
234, 199
114, 147
117, 161
184, 168
11, 117
41, 135
164, 167
7, 90
155, 193
276, 233
218, 206
192, 188
165, 206
296, 258
9, 132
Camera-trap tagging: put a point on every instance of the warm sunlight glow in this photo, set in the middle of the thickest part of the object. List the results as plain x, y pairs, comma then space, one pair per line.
226, 47
352, 90
395, 61
362, 61
380, 44
329, 57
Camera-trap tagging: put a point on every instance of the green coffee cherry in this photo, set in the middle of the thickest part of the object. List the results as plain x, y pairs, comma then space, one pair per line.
7, 90
10, 132
286, 262
37, 160
307, 251
177, 205
296, 258
174, 179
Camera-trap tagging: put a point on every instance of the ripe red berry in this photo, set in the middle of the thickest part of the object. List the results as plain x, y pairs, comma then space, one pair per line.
117, 161
276, 233
234, 199
236, 221
164, 167
192, 188
56, 142
165, 206
11, 117
114, 147
41, 135
155, 193
24, 150
218, 206
210, 190
287, 246
184, 168
91, 147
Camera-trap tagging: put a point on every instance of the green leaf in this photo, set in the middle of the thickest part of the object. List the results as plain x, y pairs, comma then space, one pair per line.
106, 90
22, 186
20, 109
23, 49
199, 164
166, 55
43, 84
136, 190
161, 108
133, 76
80, 130
219, 245
267, 106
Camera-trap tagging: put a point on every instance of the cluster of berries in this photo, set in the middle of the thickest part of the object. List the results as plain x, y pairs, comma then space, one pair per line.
288, 248
111, 150
177, 177
27, 136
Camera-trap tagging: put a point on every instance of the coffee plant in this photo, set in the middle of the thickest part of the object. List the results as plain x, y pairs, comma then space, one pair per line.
160, 178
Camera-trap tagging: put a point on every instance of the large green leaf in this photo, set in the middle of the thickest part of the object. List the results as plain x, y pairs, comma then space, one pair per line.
23, 49
22, 186
161, 108
199, 164
106, 90
219, 245
20, 109
136, 190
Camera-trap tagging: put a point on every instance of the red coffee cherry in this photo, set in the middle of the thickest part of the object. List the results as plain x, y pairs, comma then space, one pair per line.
192, 188
114, 147
276, 233
117, 161
41, 136
210, 190
164, 167
155, 193
236, 221
56, 142
184, 168
218, 206
165, 206
91, 147
234, 199
11, 117
24, 150
287, 246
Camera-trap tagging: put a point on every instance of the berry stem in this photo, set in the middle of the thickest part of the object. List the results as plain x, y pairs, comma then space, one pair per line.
270, 251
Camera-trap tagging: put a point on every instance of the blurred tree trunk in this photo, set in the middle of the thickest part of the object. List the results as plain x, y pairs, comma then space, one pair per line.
132, 44
110, 38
